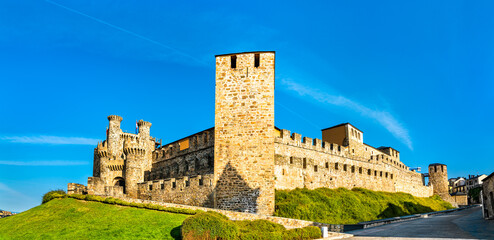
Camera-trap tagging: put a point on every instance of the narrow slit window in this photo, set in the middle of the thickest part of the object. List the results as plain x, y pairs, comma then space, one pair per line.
233, 60
315, 168
304, 163
257, 60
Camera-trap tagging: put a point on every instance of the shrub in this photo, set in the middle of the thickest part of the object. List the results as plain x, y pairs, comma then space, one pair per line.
110, 200
302, 233
259, 226
261, 236
52, 195
77, 196
94, 198
209, 225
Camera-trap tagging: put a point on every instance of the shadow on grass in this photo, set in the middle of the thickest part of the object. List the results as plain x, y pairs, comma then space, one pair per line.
396, 211
176, 233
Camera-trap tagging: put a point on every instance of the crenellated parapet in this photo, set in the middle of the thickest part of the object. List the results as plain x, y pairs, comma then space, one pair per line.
296, 139
142, 123
136, 149
102, 150
115, 118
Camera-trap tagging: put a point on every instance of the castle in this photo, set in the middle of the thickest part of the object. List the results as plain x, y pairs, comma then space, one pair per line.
238, 164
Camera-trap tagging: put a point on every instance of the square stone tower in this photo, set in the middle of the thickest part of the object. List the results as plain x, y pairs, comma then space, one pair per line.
244, 132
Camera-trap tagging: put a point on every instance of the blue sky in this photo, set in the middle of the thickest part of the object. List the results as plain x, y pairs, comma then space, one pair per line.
415, 76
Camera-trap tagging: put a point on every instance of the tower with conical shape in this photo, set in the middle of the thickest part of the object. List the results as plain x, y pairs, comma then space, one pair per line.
244, 132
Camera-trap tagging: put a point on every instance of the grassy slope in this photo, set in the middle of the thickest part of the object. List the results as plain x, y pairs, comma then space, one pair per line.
343, 206
74, 219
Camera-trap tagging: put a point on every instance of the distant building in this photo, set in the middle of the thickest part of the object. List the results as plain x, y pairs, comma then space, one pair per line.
5, 214
488, 196
474, 181
457, 185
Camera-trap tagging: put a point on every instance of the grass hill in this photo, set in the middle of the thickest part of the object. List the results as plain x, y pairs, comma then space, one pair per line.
68, 218
343, 206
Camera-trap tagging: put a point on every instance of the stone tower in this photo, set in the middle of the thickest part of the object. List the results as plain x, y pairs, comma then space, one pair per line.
244, 132
113, 137
438, 177
135, 151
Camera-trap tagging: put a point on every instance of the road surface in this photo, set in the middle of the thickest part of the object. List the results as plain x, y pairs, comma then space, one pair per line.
465, 224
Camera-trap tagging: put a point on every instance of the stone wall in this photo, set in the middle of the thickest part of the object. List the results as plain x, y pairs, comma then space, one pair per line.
311, 163
460, 199
244, 130
75, 188
173, 160
195, 190
488, 196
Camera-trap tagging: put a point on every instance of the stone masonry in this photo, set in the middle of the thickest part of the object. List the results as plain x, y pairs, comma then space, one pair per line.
238, 164
244, 130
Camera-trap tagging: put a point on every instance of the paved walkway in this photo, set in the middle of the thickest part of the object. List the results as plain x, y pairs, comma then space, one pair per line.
465, 224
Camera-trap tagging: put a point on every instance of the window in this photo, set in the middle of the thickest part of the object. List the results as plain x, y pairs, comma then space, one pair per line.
375, 173
353, 169
339, 148
369, 172
291, 160
305, 163
391, 176
353, 150
315, 168
187, 183
386, 175
283, 172
150, 187
327, 165
336, 166
381, 174
331, 146
174, 184
257, 59
344, 167
184, 144
201, 182
360, 170
233, 61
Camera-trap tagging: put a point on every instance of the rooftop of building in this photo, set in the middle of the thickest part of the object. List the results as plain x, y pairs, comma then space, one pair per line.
239, 53
343, 124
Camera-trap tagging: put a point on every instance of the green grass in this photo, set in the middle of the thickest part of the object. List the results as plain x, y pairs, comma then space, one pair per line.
68, 218
343, 206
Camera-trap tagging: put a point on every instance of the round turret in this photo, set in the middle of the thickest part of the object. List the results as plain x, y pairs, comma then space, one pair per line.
115, 118
438, 177
132, 146
144, 127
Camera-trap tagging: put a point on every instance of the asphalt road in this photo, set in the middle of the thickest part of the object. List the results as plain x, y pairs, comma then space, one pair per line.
465, 224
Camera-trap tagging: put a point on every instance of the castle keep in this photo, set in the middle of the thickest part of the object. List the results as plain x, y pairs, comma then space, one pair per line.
238, 164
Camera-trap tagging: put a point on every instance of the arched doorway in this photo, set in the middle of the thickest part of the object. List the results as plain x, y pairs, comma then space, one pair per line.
119, 181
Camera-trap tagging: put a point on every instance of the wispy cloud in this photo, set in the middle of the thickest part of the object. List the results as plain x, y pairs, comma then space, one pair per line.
8, 190
384, 118
44, 163
170, 48
50, 140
